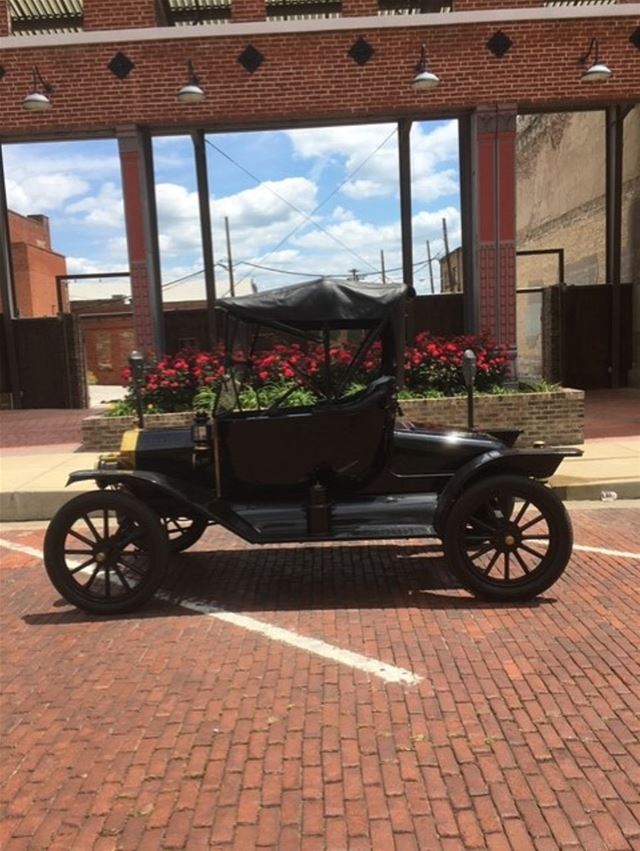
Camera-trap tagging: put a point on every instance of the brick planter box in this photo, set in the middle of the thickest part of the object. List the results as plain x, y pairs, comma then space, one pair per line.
557, 418
103, 434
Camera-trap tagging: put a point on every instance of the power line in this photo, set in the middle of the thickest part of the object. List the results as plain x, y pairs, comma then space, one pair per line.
289, 204
349, 177
310, 275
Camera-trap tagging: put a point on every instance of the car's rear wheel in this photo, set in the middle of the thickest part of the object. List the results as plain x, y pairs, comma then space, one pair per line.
508, 538
106, 552
183, 530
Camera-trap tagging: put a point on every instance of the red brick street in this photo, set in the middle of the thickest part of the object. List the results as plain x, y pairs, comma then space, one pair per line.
173, 729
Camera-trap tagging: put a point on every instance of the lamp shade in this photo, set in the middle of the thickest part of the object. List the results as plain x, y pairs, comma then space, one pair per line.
596, 73
425, 80
191, 93
36, 102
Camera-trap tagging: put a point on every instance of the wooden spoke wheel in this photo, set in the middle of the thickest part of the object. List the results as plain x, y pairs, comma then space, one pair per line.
508, 538
183, 530
106, 552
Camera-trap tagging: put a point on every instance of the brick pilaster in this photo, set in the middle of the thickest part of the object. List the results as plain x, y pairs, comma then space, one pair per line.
494, 138
120, 14
142, 239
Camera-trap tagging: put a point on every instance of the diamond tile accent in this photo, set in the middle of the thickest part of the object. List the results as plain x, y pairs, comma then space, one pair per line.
634, 38
499, 44
121, 66
361, 51
251, 59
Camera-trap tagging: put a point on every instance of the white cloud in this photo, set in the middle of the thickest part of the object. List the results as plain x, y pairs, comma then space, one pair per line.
81, 189
433, 161
260, 205
259, 217
102, 210
67, 157
428, 225
43, 193
89, 266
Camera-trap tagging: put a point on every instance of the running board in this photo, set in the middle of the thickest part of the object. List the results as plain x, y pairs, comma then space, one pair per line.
373, 518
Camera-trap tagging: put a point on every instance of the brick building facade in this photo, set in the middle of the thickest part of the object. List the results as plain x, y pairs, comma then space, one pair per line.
355, 65
572, 218
35, 266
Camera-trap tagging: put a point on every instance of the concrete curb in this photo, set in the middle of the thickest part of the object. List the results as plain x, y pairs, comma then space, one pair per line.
23, 506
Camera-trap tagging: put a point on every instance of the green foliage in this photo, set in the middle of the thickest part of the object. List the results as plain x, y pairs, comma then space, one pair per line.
407, 394
204, 400
253, 399
539, 386
354, 388
498, 390
121, 408
190, 380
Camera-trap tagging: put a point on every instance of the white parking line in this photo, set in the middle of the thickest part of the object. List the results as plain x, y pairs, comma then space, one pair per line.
605, 552
388, 673
19, 548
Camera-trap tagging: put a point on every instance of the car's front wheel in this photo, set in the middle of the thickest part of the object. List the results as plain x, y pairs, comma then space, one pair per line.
106, 552
183, 530
508, 538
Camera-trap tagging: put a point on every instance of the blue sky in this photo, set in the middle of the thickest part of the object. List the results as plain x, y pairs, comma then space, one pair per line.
313, 201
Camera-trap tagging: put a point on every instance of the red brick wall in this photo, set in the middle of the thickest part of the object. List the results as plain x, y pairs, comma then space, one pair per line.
467, 5
4, 18
35, 266
248, 10
35, 271
33, 230
309, 76
108, 342
101, 15
359, 7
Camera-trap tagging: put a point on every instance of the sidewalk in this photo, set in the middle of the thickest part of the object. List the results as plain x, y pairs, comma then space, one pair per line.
40, 448
32, 479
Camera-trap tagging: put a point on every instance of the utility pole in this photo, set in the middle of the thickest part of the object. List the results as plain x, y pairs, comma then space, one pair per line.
430, 261
232, 286
354, 275
384, 275
452, 283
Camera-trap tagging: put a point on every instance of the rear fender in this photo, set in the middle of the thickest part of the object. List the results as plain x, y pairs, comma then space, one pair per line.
537, 464
152, 487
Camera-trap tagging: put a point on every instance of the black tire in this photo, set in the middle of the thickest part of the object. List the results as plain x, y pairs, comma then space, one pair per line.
183, 530
106, 552
517, 554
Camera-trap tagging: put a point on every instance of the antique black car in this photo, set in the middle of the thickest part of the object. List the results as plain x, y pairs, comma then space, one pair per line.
340, 469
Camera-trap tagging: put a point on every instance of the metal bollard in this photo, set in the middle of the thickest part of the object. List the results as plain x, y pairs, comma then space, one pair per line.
136, 364
469, 374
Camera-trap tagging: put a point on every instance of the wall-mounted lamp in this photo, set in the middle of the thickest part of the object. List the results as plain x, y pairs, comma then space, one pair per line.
597, 71
38, 100
424, 79
191, 92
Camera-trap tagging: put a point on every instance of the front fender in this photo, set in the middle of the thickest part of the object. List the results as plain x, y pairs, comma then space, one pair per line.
147, 485
533, 463
143, 484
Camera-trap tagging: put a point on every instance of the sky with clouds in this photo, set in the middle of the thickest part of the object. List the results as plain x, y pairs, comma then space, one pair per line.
300, 203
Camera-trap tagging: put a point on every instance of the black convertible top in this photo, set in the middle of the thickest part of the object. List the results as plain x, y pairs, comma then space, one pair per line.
318, 303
